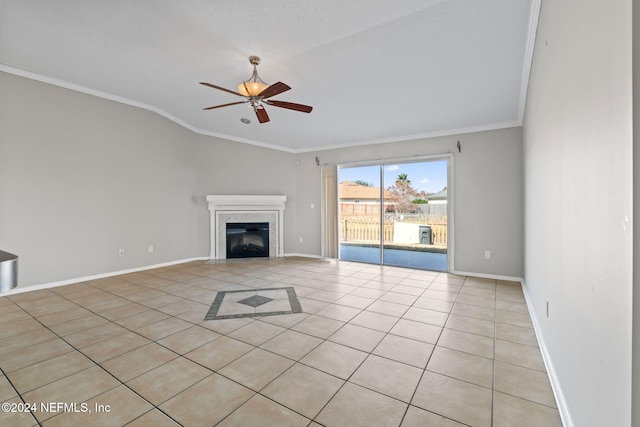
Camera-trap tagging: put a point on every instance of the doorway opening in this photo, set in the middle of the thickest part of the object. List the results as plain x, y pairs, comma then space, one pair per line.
395, 214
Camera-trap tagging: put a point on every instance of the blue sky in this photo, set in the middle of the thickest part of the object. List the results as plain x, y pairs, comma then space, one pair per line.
428, 176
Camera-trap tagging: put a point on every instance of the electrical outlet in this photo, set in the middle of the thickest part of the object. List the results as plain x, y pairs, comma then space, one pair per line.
313, 205
487, 254
547, 308
150, 248
301, 239
121, 252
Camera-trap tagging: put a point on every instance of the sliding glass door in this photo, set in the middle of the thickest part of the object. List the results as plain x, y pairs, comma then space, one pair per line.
359, 209
395, 214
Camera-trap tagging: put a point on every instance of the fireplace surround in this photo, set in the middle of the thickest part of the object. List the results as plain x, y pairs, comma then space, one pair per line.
225, 209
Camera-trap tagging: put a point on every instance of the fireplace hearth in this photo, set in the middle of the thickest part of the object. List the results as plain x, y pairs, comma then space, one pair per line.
247, 239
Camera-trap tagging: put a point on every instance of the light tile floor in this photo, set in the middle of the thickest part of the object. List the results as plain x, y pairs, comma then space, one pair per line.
374, 346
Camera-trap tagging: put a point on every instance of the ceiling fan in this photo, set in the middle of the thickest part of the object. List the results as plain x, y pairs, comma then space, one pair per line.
257, 94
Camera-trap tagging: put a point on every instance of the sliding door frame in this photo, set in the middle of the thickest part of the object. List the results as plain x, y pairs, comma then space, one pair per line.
449, 157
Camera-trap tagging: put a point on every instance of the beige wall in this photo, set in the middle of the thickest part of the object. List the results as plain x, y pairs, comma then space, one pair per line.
578, 153
487, 193
82, 177
227, 167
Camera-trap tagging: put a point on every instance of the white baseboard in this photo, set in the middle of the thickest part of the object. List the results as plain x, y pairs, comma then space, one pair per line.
561, 402
305, 256
120, 272
97, 276
488, 276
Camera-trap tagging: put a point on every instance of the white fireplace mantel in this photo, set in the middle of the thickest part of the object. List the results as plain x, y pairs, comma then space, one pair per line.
246, 208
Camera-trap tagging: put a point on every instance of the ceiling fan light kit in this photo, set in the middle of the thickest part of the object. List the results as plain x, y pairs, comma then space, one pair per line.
254, 85
250, 88
256, 93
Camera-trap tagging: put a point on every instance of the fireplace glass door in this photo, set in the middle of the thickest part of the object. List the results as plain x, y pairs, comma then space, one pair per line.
247, 240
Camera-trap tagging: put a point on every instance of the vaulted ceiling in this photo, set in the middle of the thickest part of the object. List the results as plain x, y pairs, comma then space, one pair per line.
374, 70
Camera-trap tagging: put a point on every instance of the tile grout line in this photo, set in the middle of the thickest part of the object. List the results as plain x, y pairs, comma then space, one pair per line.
121, 383
289, 327
78, 350
311, 367
257, 318
424, 371
19, 395
387, 333
493, 365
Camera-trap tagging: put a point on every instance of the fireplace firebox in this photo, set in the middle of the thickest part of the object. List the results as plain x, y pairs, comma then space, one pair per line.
247, 239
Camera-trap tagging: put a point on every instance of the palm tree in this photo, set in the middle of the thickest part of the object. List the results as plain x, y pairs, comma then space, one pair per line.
402, 179
403, 195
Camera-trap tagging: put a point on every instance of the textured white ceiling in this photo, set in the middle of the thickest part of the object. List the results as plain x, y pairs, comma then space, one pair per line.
374, 70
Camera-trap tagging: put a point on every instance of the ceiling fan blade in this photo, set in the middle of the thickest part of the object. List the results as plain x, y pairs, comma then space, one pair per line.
290, 106
274, 89
221, 88
263, 117
225, 105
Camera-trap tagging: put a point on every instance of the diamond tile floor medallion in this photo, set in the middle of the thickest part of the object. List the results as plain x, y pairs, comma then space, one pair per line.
254, 303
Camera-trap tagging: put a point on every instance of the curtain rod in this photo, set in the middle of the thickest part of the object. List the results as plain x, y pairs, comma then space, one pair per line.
391, 160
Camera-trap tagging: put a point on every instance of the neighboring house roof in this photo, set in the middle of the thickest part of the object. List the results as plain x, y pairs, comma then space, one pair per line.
439, 196
351, 190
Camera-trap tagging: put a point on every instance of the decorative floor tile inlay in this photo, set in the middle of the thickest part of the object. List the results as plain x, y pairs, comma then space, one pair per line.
254, 303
